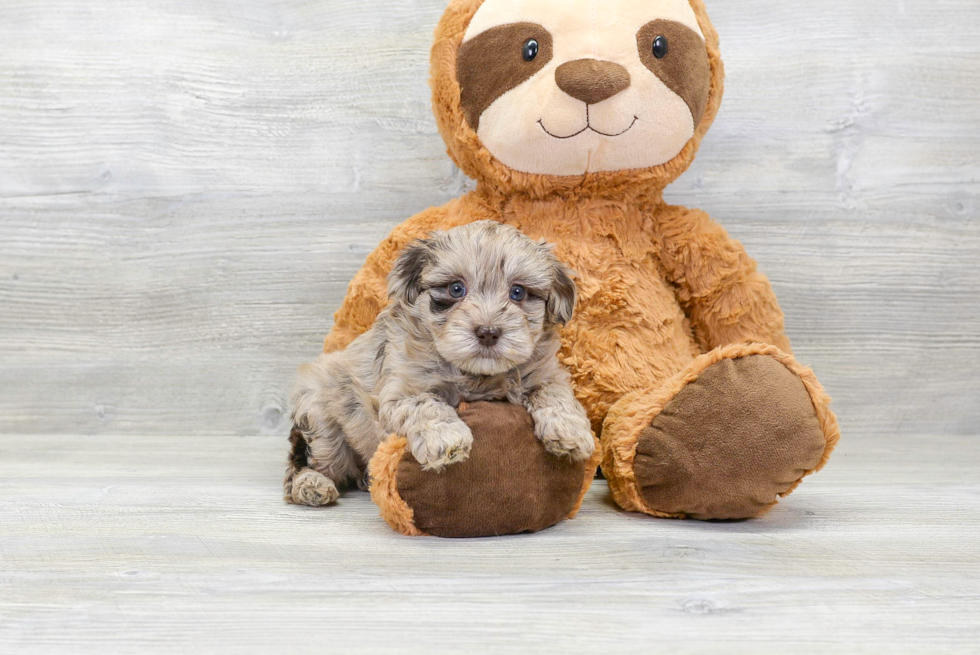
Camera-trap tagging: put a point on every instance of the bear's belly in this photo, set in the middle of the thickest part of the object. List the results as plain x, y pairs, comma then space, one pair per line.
628, 333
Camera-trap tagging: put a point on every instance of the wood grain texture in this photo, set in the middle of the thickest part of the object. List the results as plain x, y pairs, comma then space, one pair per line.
187, 187
182, 544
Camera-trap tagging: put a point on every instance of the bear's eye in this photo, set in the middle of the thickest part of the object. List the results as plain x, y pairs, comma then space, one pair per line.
660, 47
530, 50
457, 290
518, 293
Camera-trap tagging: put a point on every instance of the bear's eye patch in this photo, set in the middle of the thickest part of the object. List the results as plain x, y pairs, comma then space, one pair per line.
495, 61
530, 50
687, 71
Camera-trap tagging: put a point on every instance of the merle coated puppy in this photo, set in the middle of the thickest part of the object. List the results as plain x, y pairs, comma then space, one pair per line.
475, 314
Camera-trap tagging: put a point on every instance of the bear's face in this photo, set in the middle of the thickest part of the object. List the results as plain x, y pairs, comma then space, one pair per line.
569, 87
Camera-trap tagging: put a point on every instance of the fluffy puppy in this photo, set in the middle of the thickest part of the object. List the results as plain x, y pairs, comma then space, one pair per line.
474, 315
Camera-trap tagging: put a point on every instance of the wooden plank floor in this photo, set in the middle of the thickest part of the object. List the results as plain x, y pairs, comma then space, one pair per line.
170, 544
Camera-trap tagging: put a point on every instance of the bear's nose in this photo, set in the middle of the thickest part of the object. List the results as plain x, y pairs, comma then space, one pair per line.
487, 335
592, 80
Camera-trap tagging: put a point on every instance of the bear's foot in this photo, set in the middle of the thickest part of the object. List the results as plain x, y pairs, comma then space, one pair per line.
509, 484
724, 439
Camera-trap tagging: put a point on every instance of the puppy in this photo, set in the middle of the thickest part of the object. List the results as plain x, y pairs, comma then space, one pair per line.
475, 314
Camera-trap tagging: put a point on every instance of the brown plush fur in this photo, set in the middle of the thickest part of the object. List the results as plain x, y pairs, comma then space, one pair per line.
383, 469
659, 285
637, 410
591, 467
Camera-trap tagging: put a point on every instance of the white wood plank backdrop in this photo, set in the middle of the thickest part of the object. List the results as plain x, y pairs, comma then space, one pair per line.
186, 186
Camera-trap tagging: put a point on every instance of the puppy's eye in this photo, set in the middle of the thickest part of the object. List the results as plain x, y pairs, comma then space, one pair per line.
457, 290
518, 293
530, 50
660, 47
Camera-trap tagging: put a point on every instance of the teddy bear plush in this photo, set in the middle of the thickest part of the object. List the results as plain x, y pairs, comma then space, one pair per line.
572, 116
508, 484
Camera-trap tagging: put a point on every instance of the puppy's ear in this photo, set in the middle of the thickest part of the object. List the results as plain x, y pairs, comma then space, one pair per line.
405, 279
561, 297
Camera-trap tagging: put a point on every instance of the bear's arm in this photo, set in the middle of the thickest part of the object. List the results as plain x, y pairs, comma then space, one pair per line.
726, 299
367, 293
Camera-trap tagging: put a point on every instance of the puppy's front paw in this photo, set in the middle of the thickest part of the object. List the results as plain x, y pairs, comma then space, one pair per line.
441, 445
566, 435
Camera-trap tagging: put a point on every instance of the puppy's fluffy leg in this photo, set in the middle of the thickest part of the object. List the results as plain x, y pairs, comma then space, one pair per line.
560, 422
321, 458
318, 462
434, 430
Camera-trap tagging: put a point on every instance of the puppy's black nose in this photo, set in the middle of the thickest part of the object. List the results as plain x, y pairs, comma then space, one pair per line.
488, 336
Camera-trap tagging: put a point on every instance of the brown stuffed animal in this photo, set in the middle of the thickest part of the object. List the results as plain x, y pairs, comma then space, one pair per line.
573, 116
509, 484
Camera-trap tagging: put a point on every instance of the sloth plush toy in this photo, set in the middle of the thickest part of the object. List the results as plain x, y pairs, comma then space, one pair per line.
573, 116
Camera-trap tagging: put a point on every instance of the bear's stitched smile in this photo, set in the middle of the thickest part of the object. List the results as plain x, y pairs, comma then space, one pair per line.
588, 127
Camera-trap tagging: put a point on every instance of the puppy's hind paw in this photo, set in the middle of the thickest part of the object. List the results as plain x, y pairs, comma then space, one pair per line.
313, 489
